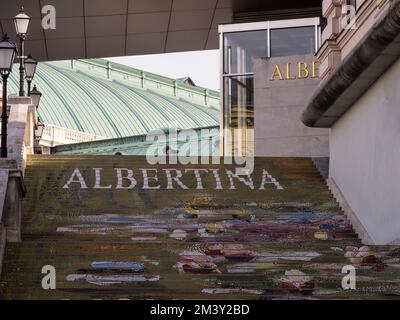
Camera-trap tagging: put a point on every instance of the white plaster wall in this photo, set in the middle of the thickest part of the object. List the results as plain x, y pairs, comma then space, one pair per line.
365, 157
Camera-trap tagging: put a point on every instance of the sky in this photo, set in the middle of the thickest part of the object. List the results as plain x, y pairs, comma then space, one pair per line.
201, 66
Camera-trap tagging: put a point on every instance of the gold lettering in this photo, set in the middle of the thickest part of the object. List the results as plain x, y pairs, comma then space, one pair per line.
315, 70
303, 70
276, 72
288, 76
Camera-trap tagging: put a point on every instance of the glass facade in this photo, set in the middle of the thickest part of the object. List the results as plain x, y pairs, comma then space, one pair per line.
292, 41
241, 45
241, 48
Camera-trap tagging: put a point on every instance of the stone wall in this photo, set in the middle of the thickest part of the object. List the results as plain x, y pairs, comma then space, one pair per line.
21, 127
279, 99
20, 140
365, 157
12, 190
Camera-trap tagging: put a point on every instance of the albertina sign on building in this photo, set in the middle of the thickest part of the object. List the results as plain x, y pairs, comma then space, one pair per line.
299, 70
282, 86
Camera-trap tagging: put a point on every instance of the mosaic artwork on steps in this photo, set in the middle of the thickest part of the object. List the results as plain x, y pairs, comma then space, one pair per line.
185, 244
233, 240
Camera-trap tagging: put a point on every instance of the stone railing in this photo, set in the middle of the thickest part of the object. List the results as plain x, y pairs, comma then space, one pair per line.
54, 136
21, 127
21, 142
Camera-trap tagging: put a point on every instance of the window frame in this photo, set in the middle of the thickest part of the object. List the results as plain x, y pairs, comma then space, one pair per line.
257, 26
267, 26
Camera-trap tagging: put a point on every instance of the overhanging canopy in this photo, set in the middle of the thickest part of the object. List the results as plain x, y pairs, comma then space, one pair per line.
105, 28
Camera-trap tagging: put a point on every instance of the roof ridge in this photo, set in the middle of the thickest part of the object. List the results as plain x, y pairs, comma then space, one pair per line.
104, 63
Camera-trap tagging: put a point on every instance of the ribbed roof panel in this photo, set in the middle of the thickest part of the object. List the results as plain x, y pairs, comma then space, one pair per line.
84, 99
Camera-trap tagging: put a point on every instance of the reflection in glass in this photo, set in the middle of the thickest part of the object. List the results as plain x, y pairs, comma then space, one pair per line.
241, 48
292, 41
239, 113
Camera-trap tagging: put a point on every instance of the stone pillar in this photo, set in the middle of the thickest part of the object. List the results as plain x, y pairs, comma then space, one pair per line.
332, 11
21, 126
338, 41
330, 54
29, 138
3, 185
12, 209
20, 129
2, 245
4, 165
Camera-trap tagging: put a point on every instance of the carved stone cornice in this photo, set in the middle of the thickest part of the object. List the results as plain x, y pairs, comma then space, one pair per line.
373, 55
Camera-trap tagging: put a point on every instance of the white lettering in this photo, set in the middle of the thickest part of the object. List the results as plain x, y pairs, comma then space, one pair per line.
97, 184
232, 176
129, 177
177, 177
80, 180
146, 179
198, 176
272, 180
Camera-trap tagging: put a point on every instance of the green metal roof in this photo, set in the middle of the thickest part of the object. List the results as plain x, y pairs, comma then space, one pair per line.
201, 141
111, 100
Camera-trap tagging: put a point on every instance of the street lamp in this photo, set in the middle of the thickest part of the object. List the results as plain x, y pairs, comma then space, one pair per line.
35, 96
39, 129
21, 22
30, 69
8, 51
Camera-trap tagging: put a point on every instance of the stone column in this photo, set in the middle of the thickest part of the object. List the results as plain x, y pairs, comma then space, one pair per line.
4, 164
19, 125
329, 54
332, 11
29, 138
12, 209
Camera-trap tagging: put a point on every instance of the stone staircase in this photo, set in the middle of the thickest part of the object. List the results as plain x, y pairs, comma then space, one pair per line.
279, 236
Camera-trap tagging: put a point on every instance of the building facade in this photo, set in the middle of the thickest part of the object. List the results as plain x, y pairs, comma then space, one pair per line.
290, 87
293, 87
358, 100
268, 72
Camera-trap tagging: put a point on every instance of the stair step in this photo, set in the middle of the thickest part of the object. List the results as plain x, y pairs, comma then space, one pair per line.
235, 244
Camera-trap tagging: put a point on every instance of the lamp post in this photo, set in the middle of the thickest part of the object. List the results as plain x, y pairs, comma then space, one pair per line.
21, 22
30, 69
35, 96
39, 129
8, 51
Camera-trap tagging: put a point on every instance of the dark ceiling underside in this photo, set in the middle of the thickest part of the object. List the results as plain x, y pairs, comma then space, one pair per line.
105, 28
